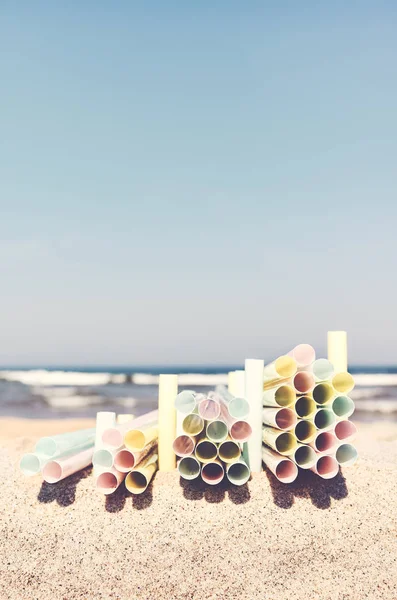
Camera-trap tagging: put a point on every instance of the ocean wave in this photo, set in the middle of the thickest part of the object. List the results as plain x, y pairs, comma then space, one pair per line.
386, 407
193, 379
41, 377
378, 379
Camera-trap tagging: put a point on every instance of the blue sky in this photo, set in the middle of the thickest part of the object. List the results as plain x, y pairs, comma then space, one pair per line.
196, 182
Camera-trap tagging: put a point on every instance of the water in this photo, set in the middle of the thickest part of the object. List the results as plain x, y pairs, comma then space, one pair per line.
81, 391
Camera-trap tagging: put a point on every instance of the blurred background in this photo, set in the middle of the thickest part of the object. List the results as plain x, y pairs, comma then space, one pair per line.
187, 185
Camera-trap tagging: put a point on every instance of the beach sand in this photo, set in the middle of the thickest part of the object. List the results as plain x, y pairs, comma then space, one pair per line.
312, 540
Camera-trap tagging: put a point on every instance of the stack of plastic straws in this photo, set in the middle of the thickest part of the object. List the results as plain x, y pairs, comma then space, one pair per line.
127, 452
211, 430
305, 416
59, 456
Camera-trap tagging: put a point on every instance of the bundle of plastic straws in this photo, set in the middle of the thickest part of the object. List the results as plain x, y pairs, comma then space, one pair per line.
212, 429
305, 416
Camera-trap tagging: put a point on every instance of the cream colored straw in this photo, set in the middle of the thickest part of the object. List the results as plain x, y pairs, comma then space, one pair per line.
326, 467
305, 407
189, 468
283, 442
346, 455
206, 451
283, 368
229, 451
337, 350
168, 388
345, 431
192, 424
305, 431
238, 472
212, 472
282, 396
323, 393
139, 478
253, 395
304, 456
283, 468
343, 383
282, 418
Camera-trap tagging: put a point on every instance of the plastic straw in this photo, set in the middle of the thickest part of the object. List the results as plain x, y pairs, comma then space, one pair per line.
124, 418
114, 436
103, 459
346, 455
304, 456
125, 460
185, 402
56, 470
168, 389
192, 424
32, 463
343, 407
238, 472
305, 407
136, 439
324, 419
323, 393
284, 367
209, 409
206, 451
343, 382
229, 451
305, 431
253, 395
231, 382
325, 442
104, 420
138, 480
337, 350
107, 482
217, 431
189, 468
345, 431
57, 444
238, 406
283, 468
303, 354
282, 442
303, 382
282, 418
241, 431
281, 396
183, 445
322, 369
240, 384
326, 467
212, 472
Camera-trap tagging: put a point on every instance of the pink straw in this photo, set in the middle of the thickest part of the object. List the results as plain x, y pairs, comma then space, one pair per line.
108, 481
303, 382
345, 431
209, 409
56, 470
183, 445
240, 431
212, 473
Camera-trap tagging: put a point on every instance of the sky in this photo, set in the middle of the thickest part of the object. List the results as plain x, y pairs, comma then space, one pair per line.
196, 182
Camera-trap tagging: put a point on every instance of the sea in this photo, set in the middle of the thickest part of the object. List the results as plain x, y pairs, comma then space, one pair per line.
69, 392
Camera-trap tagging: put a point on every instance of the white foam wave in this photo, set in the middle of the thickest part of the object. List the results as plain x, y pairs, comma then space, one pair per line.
41, 377
193, 379
381, 406
378, 379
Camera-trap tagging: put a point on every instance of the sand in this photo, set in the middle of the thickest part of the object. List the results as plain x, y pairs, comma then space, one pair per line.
312, 540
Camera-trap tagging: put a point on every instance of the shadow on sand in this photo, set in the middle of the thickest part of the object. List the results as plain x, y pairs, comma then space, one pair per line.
197, 489
116, 502
310, 486
63, 492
